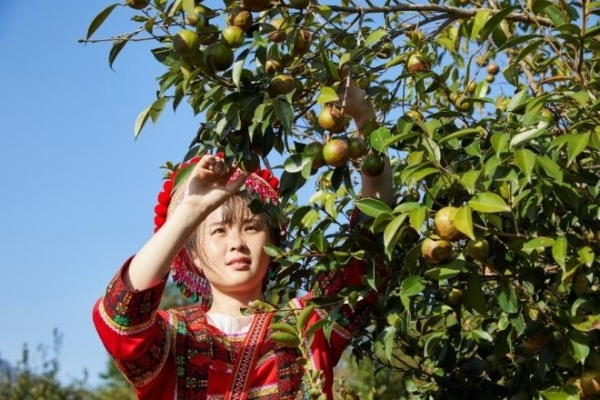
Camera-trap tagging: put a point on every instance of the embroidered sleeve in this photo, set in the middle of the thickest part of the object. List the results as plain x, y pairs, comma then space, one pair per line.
134, 333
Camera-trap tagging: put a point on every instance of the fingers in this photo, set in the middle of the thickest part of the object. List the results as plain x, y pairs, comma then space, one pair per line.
213, 169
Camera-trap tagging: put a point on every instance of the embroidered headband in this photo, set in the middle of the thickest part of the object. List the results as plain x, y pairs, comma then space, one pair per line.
261, 184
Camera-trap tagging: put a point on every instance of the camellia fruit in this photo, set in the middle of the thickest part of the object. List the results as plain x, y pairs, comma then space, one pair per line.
335, 152
332, 119
257, 5
315, 151
493, 69
590, 383
478, 249
281, 85
240, 17
443, 224
462, 104
138, 4
372, 165
272, 66
436, 251
455, 296
302, 40
250, 164
219, 56
233, 36
357, 147
416, 63
278, 34
186, 42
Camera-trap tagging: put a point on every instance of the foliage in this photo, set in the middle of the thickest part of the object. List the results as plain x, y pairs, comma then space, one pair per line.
490, 107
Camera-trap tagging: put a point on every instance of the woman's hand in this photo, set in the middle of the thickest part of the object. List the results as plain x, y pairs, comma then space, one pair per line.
356, 104
208, 185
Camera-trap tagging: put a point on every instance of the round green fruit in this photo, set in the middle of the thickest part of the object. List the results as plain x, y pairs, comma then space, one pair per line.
490, 78
454, 297
219, 56
196, 16
357, 147
315, 151
478, 249
372, 165
443, 224
335, 152
138, 4
233, 36
186, 42
436, 251
250, 164
281, 85
462, 104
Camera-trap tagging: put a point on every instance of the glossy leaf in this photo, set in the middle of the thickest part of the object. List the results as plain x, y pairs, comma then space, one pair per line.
488, 202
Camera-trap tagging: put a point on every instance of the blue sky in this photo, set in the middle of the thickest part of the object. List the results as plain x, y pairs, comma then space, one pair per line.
78, 190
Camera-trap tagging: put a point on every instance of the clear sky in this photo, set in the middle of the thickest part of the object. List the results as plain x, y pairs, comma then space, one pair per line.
78, 190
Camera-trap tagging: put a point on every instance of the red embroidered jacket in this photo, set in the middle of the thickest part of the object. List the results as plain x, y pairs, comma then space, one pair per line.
176, 354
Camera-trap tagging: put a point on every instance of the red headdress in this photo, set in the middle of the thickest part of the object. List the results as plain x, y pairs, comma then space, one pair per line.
190, 280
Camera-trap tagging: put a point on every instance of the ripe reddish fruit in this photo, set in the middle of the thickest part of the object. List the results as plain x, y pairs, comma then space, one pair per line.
356, 147
436, 251
315, 151
250, 164
478, 249
590, 383
186, 42
279, 34
335, 152
332, 119
240, 17
233, 36
443, 224
219, 56
372, 165
282, 85
272, 66
257, 5
138, 4
493, 68
299, 4
302, 40
416, 63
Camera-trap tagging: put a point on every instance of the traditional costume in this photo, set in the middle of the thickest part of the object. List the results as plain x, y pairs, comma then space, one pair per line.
185, 353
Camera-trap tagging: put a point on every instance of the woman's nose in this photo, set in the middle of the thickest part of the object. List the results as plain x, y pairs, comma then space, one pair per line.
236, 240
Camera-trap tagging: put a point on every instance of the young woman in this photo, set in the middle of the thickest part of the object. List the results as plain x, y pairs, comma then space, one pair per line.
213, 244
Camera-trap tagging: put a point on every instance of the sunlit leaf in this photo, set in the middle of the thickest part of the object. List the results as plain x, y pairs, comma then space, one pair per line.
99, 19
488, 202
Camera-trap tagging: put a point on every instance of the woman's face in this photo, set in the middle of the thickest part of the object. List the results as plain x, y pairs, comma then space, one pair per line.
231, 251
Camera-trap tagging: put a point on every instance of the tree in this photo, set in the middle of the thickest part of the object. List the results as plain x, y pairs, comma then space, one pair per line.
489, 284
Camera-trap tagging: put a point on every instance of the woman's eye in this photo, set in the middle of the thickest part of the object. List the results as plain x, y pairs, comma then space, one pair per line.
251, 228
218, 230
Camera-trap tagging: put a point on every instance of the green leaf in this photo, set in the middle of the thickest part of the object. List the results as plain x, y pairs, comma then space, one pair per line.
488, 202
495, 20
99, 19
579, 345
525, 159
141, 121
375, 37
446, 271
499, 142
373, 207
378, 138
559, 393
469, 180
507, 299
284, 112
157, 108
478, 22
459, 134
474, 294
586, 255
518, 101
412, 286
271, 250
463, 221
550, 167
327, 95
559, 251
542, 241
295, 163
417, 217
576, 144
390, 233
555, 15
116, 48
